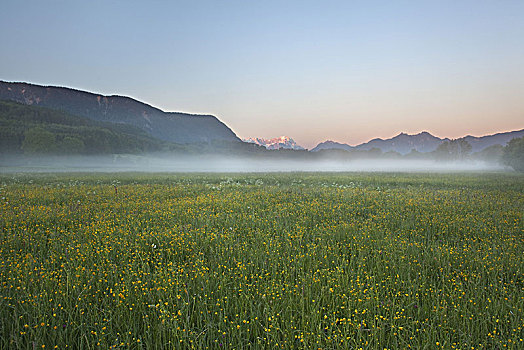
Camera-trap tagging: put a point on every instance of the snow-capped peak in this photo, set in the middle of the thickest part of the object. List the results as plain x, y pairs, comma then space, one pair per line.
285, 142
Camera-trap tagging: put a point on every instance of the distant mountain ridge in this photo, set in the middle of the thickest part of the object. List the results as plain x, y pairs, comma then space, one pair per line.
283, 142
421, 142
502, 138
168, 126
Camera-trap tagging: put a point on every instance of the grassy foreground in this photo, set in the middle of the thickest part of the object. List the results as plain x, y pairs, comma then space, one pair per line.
257, 261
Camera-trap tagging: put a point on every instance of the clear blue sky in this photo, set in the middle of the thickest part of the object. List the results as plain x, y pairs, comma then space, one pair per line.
314, 70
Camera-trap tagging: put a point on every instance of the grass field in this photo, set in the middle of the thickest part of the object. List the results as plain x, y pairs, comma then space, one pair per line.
254, 261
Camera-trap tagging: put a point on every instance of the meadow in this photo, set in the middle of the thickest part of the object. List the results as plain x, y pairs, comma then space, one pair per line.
262, 261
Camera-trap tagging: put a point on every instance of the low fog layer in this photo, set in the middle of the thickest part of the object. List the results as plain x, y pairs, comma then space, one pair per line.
120, 163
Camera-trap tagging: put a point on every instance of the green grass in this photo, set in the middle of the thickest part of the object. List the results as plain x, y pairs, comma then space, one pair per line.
256, 261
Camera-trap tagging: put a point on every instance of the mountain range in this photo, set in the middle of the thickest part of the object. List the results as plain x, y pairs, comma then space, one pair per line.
174, 127
127, 119
283, 142
421, 142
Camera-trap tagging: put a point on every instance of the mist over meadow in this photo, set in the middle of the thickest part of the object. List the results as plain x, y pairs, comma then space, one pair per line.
223, 163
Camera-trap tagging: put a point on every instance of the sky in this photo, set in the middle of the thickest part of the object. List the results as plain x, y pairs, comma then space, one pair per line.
347, 71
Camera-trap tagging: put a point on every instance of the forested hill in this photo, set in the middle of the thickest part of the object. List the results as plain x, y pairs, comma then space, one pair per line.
181, 128
33, 130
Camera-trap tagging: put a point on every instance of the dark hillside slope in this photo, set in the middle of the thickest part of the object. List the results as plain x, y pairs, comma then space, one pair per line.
174, 127
30, 129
